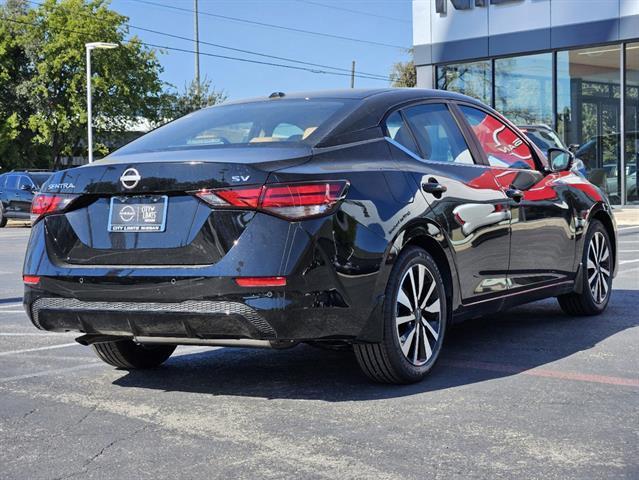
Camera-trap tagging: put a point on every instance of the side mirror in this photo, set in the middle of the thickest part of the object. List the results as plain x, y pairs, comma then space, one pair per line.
26, 188
573, 147
560, 160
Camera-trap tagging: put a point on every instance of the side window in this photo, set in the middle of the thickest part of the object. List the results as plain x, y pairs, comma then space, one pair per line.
12, 182
24, 180
398, 131
437, 133
503, 147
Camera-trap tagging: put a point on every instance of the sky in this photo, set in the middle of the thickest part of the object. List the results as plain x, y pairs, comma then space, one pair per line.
382, 21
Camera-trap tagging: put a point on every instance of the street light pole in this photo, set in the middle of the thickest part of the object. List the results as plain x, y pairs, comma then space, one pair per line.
89, 47
197, 48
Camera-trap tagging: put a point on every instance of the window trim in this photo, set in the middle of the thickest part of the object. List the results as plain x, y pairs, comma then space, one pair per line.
386, 131
478, 160
539, 165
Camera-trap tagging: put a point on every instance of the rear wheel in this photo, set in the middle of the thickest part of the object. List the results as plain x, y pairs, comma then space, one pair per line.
130, 355
596, 276
414, 322
3, 219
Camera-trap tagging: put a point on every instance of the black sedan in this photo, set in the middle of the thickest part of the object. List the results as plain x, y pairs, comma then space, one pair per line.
371, 219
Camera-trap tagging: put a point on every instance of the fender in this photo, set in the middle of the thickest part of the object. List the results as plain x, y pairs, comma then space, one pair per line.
426, 232
600, 210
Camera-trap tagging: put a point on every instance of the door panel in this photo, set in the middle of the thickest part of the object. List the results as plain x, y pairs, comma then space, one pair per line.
470, 209
12, 194
24, 197
542, 218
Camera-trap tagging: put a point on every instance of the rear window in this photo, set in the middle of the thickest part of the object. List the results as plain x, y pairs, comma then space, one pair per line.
251, 124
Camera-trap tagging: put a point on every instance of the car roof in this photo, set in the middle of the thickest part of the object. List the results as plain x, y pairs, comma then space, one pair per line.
370, 106
357, 94
28, 172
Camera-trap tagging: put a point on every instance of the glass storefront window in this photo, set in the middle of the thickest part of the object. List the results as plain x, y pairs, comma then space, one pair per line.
523, 89
632, 123
588, 112
473, 79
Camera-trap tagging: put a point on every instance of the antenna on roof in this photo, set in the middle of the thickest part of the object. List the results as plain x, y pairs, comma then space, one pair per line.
277, 95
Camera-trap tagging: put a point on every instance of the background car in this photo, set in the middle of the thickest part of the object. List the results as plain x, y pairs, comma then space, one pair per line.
546, 138
17, 189
601, 155
371, 218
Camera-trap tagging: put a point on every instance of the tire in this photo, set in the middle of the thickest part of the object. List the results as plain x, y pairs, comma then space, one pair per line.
387, 362
129, 355
596, 275
3, 219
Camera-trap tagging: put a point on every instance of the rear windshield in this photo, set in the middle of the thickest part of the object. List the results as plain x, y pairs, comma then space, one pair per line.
253, 124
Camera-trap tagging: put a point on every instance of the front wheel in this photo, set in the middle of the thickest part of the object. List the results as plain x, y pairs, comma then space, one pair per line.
129, 355
597, 264
414, 322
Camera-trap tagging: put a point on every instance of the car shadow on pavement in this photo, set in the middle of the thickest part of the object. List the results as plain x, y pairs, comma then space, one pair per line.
520, 339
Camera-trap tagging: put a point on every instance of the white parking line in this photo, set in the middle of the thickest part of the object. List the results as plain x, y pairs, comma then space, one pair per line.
10, 305
51, 372
628, 251
11, 311
623, 229
50, 347
46, 373
625, 262
31, 334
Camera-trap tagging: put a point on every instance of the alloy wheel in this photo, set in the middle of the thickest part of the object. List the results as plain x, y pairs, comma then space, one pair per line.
418, 315
598, 267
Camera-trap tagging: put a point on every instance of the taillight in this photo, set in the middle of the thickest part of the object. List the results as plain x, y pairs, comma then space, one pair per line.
30, 279
261, 281
48, 203
238, 197
292, 201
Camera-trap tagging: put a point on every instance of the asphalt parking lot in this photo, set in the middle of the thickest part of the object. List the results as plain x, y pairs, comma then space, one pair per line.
530, 393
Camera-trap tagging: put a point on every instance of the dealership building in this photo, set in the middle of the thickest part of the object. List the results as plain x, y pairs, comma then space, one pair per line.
572, 65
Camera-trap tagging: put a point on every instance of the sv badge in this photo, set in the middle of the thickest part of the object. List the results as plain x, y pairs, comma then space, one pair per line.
240, 178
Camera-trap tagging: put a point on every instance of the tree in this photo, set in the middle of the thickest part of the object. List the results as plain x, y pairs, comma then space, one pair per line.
404, 74
194, 98
126, 82
16, 147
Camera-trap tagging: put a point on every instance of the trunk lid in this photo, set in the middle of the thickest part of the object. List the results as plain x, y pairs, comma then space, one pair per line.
192, 234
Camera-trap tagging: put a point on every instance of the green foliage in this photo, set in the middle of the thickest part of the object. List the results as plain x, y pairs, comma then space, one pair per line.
193, 98
404, 74
16, 146
43, 79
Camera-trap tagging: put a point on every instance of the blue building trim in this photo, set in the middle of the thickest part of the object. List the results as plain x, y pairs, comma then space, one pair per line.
518, 43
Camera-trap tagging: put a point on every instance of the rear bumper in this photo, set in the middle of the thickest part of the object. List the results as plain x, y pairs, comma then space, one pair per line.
336, 271
268, 315
334, 290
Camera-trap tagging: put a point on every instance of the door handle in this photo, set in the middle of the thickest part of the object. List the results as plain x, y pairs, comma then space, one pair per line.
515, 194
434, 187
